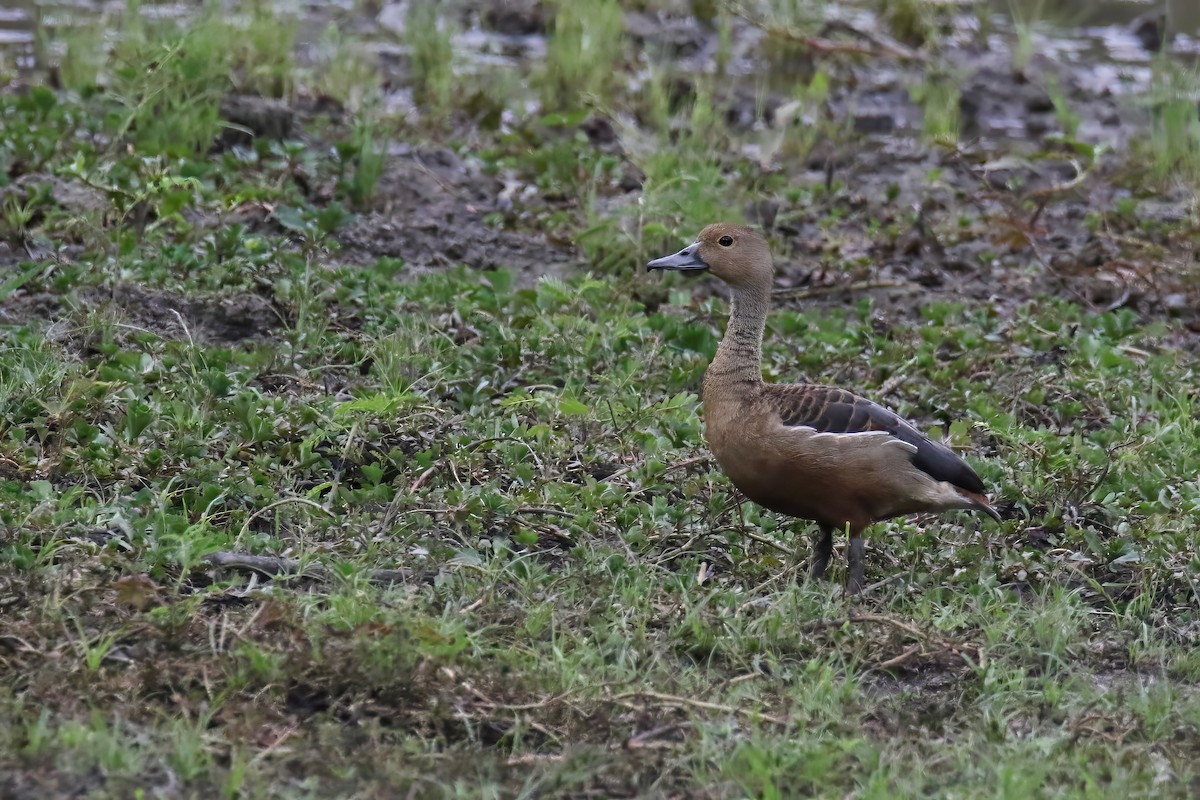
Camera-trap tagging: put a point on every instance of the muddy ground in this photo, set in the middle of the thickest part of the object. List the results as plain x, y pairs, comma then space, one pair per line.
1005, 215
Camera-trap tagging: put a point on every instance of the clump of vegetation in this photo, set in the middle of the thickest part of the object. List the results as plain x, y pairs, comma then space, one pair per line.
363, 155
910, 21
684, 182
1173, 148
171, 82
263, 52
429, 35
797, 126
1067, 116
346, 71
939, 100
586, 45
170, 78
80, 54
1025, 15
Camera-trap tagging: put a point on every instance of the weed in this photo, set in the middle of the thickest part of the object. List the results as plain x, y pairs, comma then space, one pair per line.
345, 71
800, 124
910, 21
1067, 116
684, 184
1173, 148
939, 100
82, 55
15, 215
170, 83
262, 61
364, 158
1025, 15
586, 45
429, 37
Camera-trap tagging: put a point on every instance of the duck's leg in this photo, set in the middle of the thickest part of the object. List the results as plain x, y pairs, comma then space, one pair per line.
855, 556
822, 550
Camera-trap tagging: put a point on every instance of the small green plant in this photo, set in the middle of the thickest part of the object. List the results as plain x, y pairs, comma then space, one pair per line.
939, 100
93, 650
910, 21
170, 83
1067, 116
364, 156
345, 71
798, 125
584, 53
190, 757
16, 213
685, 187
82, 54
1025, 15
429, 35
263, 43
144, 194
1173, 148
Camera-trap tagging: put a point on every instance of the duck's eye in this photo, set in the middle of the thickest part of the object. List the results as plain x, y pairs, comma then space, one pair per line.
725, 241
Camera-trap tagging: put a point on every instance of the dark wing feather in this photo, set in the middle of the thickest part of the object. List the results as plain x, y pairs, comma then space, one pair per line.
828, 409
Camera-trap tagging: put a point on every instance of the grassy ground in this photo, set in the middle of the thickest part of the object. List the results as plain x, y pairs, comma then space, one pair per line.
511, 568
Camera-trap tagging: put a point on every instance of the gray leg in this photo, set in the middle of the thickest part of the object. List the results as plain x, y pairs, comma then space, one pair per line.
855, 584
822, 550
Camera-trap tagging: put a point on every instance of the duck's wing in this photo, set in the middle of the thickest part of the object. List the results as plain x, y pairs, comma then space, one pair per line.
827, 409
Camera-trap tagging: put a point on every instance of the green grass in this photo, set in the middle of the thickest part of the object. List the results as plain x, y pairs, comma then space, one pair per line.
939, 96
578, 605
429, 35
1068, 117
346, 71
1172, 151
910, 21
584, 592
583, 53
1026, 15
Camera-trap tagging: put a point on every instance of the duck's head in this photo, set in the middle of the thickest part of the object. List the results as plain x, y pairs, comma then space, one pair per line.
736, 254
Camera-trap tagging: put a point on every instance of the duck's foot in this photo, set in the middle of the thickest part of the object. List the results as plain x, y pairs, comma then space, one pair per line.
856, 555
822, 551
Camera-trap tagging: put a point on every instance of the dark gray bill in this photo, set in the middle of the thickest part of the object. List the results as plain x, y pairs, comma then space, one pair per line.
685, 259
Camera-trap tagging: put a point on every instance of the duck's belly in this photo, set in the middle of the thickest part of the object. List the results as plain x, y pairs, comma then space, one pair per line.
789, 489
834, 488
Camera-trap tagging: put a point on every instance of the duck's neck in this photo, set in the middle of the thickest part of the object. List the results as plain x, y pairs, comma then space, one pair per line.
739, 356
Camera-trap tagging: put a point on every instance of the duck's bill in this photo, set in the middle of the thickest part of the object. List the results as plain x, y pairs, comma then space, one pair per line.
685, 259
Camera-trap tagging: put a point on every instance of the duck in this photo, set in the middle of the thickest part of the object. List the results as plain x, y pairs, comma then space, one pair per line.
810, 451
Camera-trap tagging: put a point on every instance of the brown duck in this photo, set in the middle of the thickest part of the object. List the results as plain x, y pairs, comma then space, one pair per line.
814, 452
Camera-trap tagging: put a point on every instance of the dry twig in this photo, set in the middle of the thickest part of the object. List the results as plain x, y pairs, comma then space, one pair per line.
876, 44
704, 705
925, 637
